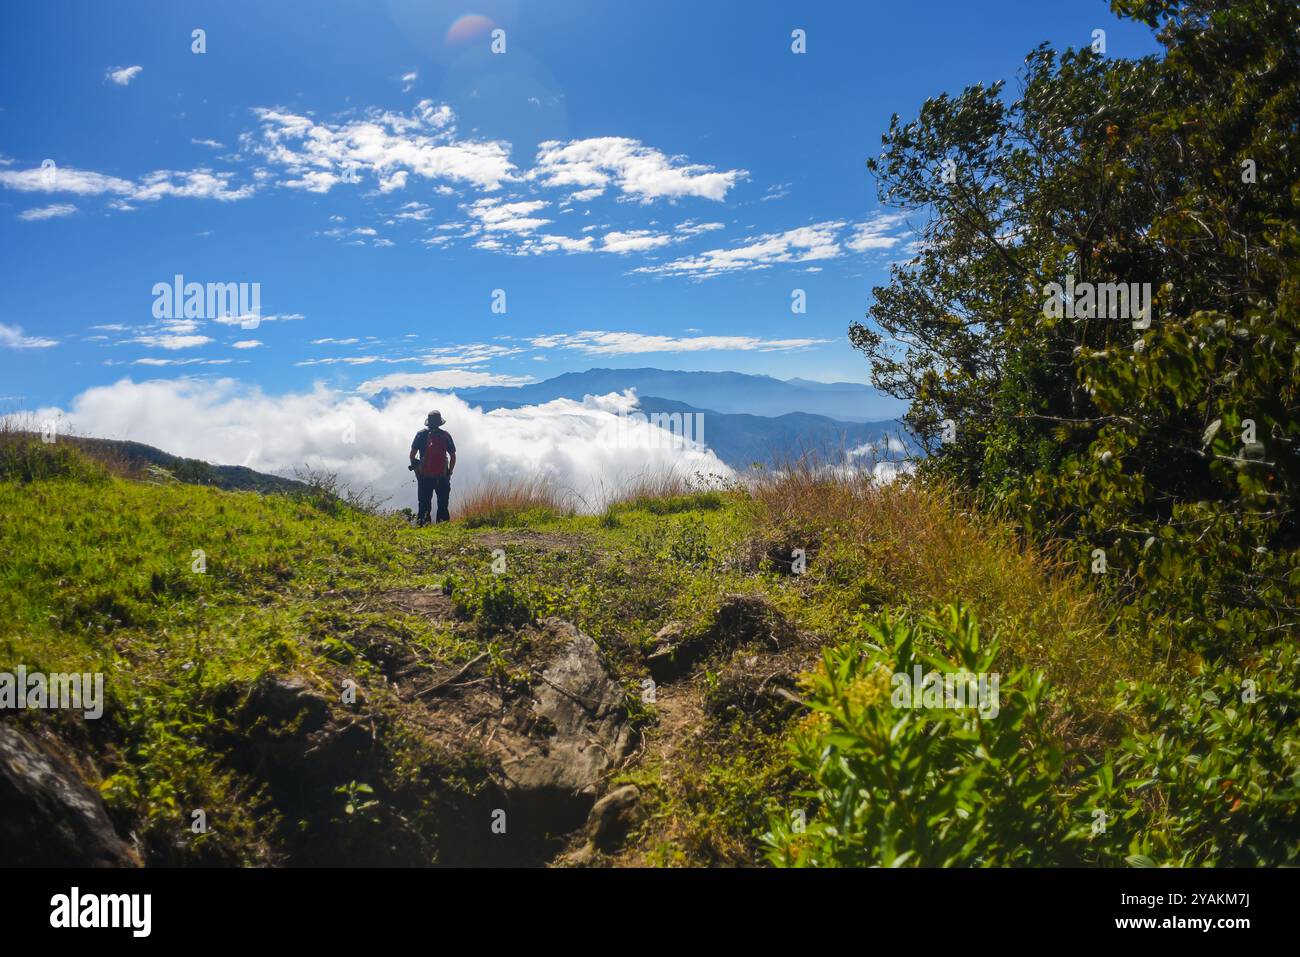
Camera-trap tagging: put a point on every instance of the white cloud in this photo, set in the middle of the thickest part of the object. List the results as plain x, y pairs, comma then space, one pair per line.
212, 143
512, 218
47, 212
192, 184
11, 337
874, 233
417, 212
477, 352
547, 243
565, 442
639, 171
315, 181
635, 343
171, 341
691, 228
636, 240
180, 362
318, 155
445, 379
639, 240
122, 75
507, 217
247, 344
805, 244
179, 326
461, 355
352, 361
393, 181
64, 179
241, 320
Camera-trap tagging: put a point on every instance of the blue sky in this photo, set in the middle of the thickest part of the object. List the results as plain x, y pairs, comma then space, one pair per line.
647, 182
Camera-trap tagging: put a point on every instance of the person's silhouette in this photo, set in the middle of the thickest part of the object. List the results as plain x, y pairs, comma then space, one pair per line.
433, 459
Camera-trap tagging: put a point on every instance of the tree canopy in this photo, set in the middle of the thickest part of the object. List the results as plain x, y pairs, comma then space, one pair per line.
1163, 442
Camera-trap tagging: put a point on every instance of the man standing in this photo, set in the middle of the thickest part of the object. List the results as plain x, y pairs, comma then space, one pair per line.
437, 460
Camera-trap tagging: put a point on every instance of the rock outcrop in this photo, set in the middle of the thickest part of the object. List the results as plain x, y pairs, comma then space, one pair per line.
577, 732
49, 817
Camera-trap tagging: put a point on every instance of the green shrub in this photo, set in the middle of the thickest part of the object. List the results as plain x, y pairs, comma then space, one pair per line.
1212, 775
494, 601
899, 785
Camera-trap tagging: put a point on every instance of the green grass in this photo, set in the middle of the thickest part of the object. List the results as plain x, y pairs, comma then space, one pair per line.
102, 574
99, 573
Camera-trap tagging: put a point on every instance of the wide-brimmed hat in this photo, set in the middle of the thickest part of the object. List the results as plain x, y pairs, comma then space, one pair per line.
434, 418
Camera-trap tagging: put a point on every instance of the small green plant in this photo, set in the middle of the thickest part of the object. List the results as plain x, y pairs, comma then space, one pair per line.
1211, 774
494, 602
894, 784
357, 805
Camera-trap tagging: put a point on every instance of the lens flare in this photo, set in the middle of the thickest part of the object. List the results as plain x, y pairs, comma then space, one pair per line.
469, 27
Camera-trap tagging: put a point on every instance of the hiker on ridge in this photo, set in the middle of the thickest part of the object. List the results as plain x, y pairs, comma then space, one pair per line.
437, 460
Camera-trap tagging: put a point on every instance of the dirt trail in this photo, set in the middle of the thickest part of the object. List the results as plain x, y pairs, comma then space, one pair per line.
746, 645
680, 718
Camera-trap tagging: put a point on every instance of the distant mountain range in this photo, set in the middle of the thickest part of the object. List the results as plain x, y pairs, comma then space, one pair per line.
747, 419
725, 392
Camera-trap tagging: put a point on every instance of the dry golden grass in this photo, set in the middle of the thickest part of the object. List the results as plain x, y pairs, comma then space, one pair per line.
649, 485
917, 544
511, 502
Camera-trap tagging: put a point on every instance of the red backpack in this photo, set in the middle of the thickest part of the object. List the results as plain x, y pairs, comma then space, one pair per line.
433, 460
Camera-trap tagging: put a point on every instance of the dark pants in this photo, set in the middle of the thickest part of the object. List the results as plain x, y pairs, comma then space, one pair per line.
428, 485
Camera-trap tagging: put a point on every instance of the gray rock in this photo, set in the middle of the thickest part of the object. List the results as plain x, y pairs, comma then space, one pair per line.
580, 711
664, 661
613, 816
49, 817
277, 702
670, 633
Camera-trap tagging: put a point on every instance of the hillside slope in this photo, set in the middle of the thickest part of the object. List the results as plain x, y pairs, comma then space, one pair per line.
317, 685
136, 459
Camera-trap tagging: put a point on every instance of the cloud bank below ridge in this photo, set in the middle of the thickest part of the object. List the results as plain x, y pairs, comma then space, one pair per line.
584, 447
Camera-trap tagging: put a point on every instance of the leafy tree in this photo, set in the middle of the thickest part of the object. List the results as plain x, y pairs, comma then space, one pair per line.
1170, 443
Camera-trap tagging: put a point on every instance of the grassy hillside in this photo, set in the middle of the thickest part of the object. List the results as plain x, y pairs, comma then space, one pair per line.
137, 460
766, 727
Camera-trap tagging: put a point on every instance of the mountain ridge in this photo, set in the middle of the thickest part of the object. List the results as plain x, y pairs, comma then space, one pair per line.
742, 439
723, 392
